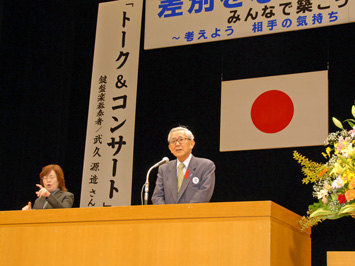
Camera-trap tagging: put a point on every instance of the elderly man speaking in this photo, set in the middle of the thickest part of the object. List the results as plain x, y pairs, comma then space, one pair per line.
187, 179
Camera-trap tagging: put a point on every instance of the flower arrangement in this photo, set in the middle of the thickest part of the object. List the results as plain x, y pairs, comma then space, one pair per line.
334, 181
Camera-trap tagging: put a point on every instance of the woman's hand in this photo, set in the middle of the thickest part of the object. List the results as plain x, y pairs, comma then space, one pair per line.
27, 207
42, 192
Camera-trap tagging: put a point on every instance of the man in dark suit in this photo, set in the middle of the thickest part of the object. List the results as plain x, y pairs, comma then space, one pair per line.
187, 179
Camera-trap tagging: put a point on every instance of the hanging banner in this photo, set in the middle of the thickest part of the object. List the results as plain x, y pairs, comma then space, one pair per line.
181, 22
108, 161
274, 112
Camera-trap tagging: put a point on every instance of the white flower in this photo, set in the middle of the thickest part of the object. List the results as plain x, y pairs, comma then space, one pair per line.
323, 193
338, 183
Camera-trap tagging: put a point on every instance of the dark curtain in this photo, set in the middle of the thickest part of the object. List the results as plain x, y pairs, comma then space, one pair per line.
46, 62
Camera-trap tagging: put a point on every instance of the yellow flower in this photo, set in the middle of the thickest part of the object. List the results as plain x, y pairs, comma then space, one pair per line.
350, 195
328, 150
351, 175
347, 175
338, 169
349, 150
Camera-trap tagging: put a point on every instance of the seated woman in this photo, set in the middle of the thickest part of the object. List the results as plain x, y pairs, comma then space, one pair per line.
52, 191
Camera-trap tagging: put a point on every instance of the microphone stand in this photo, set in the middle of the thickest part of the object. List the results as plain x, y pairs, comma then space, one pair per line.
146, 186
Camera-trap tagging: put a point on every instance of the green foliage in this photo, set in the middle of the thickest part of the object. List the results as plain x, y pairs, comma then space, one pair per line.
306, 222
309, 168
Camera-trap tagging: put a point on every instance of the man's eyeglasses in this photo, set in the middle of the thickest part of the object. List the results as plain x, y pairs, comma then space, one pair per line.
180, 140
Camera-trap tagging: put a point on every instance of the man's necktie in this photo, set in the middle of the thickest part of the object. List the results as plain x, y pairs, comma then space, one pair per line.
180, 176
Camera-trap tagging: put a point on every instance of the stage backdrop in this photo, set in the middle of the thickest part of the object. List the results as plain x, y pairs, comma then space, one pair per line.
107, 172
172, 23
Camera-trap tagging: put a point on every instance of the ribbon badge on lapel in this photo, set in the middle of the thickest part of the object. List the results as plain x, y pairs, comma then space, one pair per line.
187, 174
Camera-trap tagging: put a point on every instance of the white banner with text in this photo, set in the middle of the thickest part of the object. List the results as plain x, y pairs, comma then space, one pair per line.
108, 161
182, 22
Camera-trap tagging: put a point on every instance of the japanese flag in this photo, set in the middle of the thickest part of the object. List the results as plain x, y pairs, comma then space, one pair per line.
274, 112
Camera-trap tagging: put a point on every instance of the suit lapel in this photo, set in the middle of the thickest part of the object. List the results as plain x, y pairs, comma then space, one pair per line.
56, 195
172, 180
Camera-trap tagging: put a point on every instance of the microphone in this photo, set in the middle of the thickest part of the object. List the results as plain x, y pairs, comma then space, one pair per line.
146, 185
163, 161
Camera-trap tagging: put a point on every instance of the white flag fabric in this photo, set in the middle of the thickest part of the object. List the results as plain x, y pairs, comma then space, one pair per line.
274, 112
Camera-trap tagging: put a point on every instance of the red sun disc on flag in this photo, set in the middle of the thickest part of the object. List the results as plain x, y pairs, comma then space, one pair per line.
272, 111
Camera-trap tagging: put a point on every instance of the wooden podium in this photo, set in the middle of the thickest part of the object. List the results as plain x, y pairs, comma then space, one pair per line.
340, 258
233, 233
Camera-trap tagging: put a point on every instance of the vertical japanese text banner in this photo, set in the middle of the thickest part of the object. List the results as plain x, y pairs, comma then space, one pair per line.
108, 161
182, 22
